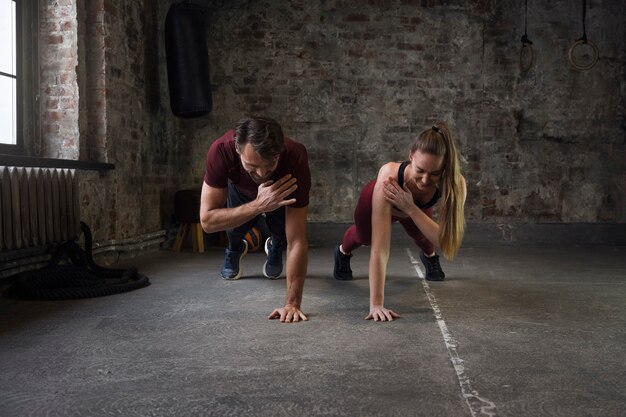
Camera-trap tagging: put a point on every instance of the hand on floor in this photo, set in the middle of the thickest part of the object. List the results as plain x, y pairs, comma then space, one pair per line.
288, 314
381, 314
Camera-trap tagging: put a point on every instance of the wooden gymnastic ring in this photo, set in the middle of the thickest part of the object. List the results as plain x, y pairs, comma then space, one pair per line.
523, 67
570, 55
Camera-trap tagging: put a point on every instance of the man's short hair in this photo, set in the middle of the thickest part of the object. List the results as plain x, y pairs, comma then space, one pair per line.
264, 135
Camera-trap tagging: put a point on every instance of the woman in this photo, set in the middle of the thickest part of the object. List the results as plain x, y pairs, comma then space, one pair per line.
406, 192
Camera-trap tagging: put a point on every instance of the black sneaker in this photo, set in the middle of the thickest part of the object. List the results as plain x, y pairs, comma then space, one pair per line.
232, 269
342, 269
433, 268
273, 266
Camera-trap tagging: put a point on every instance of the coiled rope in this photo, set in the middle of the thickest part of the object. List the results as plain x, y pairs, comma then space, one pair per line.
83, 279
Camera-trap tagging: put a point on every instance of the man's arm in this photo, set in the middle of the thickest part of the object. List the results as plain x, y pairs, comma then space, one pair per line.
215, 217
297, 260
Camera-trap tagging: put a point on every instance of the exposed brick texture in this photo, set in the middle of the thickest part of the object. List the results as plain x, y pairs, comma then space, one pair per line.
58, 60
354, 81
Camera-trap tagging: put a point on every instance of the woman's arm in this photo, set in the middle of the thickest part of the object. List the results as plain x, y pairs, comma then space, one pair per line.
381, 242
403, 200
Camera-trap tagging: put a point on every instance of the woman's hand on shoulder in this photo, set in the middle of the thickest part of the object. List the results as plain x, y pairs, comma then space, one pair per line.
401, 198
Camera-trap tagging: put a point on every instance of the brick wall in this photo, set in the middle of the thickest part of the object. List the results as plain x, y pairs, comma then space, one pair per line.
354, 81
102, 71
58, 82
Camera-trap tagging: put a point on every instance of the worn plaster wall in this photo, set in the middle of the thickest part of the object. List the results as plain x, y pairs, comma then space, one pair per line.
356, 80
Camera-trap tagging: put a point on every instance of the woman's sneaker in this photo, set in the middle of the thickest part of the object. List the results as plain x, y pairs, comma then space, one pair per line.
433, 268
232, 268
273, 266
342, 269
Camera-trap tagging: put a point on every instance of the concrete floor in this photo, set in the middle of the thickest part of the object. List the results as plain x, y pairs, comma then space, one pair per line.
513, 331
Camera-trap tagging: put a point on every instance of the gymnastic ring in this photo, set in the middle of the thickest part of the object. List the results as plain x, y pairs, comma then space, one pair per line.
570, 55
523, 67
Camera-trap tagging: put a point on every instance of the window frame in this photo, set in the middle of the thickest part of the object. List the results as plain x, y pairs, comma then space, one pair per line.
26, 152
27, 86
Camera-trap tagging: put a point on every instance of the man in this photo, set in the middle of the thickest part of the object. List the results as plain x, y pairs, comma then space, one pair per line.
254, 170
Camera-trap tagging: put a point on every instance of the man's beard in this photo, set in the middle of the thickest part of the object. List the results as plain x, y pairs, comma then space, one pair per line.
259, 180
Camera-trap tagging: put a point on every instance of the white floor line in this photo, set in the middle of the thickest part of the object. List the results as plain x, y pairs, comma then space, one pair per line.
478, 405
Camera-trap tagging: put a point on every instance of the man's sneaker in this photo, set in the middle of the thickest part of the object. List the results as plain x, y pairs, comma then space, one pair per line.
273, 266
232, 269
342, 269
433, 268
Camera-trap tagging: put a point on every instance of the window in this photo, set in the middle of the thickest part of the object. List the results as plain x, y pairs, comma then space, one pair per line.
19, 61
8, 73
25, 84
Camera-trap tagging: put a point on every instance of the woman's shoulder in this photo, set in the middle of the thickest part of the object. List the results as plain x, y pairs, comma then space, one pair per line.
390, 169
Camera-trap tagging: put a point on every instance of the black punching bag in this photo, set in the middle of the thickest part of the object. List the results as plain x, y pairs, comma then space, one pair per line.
187, 60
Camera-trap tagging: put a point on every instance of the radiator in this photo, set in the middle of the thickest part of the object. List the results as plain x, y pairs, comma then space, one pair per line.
38, 206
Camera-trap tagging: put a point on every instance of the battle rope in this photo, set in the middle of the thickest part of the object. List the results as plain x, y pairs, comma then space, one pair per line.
526, 46
583, 41
83, 279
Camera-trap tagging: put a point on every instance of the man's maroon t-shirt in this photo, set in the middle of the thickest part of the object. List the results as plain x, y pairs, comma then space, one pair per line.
223, 164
